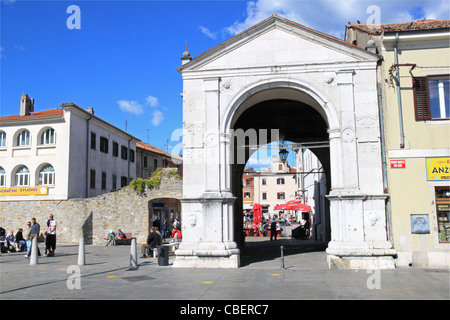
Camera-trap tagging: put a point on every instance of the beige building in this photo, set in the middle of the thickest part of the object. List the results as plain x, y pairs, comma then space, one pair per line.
248, 189
414, 81
275, 186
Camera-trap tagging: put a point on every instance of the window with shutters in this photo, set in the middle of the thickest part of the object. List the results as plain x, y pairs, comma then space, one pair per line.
431, 97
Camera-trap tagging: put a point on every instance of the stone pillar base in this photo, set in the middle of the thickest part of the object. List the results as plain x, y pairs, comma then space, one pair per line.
229, 262
360, 255
207, 255
354, 262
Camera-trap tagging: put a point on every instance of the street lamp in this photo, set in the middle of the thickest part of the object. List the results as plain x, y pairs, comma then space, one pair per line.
283, 154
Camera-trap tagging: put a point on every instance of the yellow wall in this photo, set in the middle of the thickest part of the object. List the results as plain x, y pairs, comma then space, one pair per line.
409, 190
418, 134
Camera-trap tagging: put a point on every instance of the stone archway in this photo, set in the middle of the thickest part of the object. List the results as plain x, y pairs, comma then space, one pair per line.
223, 83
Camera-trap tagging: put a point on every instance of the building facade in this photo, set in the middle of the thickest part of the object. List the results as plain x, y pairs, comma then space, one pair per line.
274, 186
150, 158
414, 81
62, 153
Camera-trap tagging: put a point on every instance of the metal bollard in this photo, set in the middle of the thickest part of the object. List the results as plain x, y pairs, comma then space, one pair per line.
81, 255
282, 258
34, 252
133, 255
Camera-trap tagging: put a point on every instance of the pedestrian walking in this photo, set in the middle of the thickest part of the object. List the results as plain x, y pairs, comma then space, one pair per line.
50, 241
273, 228
164, 229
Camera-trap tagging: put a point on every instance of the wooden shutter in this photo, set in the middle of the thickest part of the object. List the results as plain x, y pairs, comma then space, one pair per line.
421, 99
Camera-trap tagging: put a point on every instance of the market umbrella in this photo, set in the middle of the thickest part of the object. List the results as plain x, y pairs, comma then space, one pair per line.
293, 205
257, 213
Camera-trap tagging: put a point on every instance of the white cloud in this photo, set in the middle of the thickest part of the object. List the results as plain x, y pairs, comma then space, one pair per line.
157, 118
330, 16
132, 107
152, 101
135, 108
206, 32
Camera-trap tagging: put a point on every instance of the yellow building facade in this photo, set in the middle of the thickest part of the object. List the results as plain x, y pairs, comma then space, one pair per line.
414, 101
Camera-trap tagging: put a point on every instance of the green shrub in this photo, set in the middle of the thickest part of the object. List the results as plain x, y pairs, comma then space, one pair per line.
154, 181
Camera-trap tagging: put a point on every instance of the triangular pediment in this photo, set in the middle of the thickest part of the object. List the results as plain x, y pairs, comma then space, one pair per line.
277, 41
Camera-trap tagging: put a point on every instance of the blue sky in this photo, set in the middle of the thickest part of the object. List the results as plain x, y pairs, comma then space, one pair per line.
123, 59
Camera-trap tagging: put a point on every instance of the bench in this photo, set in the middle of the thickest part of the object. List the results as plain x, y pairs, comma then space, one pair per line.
173, 246
123, 241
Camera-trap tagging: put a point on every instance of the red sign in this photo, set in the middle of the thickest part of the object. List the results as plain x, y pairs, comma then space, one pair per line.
398, 164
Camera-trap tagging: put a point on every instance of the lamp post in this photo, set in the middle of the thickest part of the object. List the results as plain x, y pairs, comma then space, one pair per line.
283, 154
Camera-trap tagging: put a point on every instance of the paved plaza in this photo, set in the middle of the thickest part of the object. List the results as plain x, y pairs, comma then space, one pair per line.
107, 275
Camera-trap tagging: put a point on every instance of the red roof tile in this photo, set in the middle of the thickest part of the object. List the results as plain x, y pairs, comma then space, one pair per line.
151, 148
53, 113
425, 24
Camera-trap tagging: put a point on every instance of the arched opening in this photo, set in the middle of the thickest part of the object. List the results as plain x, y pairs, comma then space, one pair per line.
162, 213
285, 119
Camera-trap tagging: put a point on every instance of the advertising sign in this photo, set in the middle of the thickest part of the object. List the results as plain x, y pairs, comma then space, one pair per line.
24, 191
438, 169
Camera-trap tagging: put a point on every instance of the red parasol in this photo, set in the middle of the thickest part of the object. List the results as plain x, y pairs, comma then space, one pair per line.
293, 205
257, 213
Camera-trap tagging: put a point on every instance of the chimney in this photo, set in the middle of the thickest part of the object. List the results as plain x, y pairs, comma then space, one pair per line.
186, 56
26, 105
371, 46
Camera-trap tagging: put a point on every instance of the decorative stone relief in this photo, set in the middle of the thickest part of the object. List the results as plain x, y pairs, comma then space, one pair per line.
367, 121
226, 85
193, 134
348, 135
192, 220
373, 218
329, 78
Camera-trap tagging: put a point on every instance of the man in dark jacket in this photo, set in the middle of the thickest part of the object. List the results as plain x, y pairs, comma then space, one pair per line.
152, 242
34, 233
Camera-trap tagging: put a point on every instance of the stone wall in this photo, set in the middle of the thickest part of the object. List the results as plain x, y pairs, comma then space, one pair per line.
91, 218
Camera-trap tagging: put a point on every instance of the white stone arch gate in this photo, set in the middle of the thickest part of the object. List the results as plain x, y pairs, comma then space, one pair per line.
277, 59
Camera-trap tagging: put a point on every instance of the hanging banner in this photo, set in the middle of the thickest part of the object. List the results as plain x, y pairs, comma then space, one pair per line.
24, 191
438, 169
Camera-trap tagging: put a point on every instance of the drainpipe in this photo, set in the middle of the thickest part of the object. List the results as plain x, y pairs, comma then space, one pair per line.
384, 163
399, 96
87, 156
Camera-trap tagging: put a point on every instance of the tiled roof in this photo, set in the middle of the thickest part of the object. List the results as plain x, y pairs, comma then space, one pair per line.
151, 148
419, 25
53, 113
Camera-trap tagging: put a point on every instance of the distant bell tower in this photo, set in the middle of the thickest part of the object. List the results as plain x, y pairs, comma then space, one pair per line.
26, 105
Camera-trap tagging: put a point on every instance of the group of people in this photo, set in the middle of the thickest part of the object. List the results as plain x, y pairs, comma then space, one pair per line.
263, 227
19, 243
158, 234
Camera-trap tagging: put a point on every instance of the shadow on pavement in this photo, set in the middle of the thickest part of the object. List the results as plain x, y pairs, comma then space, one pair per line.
261, 249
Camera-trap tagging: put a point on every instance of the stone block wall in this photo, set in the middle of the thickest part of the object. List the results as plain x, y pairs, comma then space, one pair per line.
91, 218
